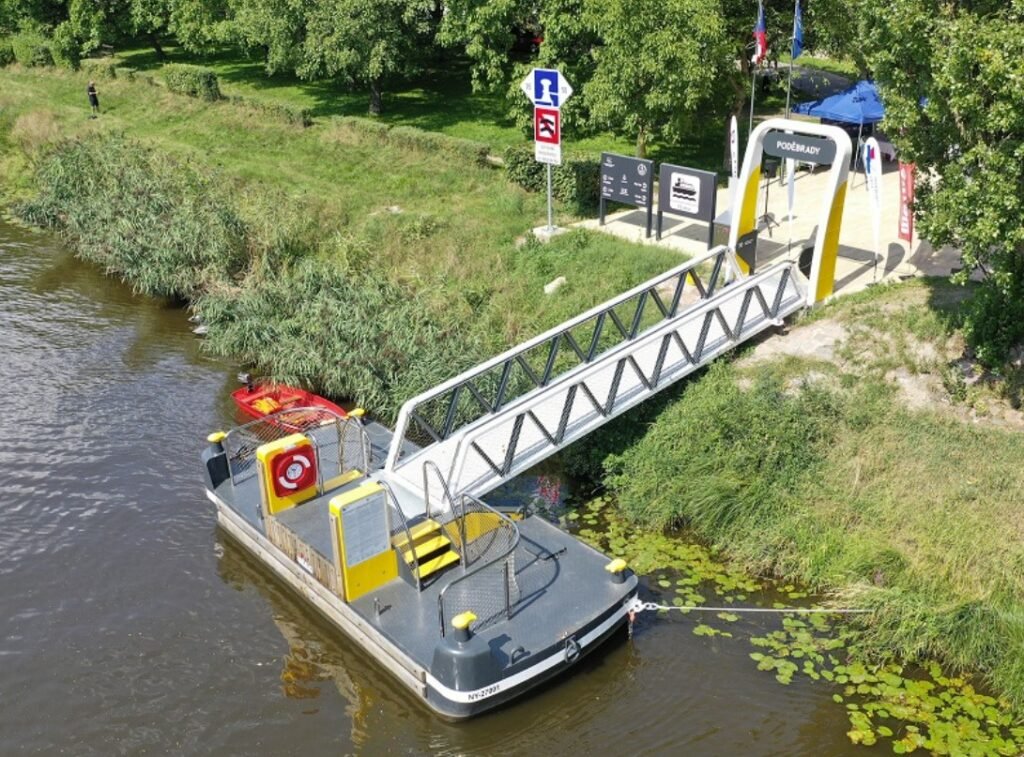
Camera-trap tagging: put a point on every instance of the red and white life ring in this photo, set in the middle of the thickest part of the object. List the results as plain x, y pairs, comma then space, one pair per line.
293, 471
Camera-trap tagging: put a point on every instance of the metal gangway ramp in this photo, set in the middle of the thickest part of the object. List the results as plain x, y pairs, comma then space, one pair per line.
496, 420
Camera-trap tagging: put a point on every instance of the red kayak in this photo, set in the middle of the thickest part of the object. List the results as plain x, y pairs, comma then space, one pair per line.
260, 400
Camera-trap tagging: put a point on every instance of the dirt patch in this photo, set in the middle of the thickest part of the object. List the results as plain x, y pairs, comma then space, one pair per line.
918, 391
815, 341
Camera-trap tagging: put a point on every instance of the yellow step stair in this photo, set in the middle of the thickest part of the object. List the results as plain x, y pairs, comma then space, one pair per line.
417, 532
423, 548
435, 564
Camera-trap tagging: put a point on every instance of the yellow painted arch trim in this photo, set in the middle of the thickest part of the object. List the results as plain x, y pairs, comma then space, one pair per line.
830, 246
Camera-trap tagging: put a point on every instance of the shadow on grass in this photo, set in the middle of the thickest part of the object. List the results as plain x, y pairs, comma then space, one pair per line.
437, 99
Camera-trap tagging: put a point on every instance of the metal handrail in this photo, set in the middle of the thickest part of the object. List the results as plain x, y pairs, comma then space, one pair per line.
428, 465
405, 526
469, 576
722, 260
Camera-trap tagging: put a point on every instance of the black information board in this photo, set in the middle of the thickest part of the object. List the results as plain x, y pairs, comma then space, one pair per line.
629, 181
687, 192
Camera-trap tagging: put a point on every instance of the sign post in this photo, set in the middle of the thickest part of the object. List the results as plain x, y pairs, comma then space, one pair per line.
547, 89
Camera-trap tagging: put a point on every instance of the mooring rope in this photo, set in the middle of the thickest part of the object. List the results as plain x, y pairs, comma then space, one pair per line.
639, 606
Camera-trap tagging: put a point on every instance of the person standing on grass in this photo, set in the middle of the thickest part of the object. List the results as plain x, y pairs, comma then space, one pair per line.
94, 98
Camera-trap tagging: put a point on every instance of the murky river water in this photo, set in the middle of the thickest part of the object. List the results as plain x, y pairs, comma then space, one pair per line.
130, 624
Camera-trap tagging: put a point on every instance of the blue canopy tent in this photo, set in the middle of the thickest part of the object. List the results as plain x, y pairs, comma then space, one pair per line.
858, 104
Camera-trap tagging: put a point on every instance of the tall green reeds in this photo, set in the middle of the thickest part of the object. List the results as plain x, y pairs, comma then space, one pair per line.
165, 226
317, 323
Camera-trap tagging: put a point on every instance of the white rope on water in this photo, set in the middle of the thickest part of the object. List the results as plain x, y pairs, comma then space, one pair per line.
644, 606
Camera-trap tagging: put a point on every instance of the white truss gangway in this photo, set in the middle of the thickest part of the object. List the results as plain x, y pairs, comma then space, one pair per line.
494, 421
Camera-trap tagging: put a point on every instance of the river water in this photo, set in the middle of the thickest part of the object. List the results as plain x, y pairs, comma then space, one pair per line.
131, 624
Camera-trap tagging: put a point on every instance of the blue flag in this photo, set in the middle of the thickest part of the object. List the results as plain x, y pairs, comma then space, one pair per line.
798, 32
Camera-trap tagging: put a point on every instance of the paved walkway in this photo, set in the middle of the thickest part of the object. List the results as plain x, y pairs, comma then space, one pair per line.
855, 268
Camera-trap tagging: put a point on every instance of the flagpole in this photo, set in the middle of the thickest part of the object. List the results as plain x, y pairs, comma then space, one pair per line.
760, 51
798, 37
789, 84
753, 81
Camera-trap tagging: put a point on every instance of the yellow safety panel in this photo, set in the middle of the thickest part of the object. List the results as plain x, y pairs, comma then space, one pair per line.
274, 502
830, 246
374, 570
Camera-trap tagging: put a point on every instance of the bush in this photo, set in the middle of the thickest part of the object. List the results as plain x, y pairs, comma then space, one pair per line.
194, 81
123, 72
318, 323
31, 49
98, 68
363, 127
6, 53
465, 150
577, 182
289, 114
994, 320
165, 227
65, 46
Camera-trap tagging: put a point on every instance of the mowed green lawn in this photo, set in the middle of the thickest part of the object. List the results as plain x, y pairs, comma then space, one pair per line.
422, 220
441, 99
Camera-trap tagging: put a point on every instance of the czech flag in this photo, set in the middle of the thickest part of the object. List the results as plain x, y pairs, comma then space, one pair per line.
760, 37
798, 32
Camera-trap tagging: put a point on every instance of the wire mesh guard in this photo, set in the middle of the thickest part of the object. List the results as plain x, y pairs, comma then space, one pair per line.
341, 444
488, 541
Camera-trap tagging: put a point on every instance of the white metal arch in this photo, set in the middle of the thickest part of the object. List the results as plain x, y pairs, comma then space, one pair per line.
826, 245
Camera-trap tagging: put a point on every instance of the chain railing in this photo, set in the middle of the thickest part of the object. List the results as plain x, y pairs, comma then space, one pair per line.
489, 589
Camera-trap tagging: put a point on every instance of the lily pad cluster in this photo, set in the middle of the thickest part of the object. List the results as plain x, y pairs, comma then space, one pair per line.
910, 708
673, 565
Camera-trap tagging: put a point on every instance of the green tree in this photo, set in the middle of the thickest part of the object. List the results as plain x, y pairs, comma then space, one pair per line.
275, 28
487, 30
951, 75
660, 62
366, 41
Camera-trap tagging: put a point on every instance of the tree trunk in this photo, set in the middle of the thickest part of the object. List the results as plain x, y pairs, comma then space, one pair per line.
154, 40
641, 143
375, 97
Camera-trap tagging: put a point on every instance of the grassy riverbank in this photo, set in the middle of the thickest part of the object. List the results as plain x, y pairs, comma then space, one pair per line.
872, 467
322, 255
